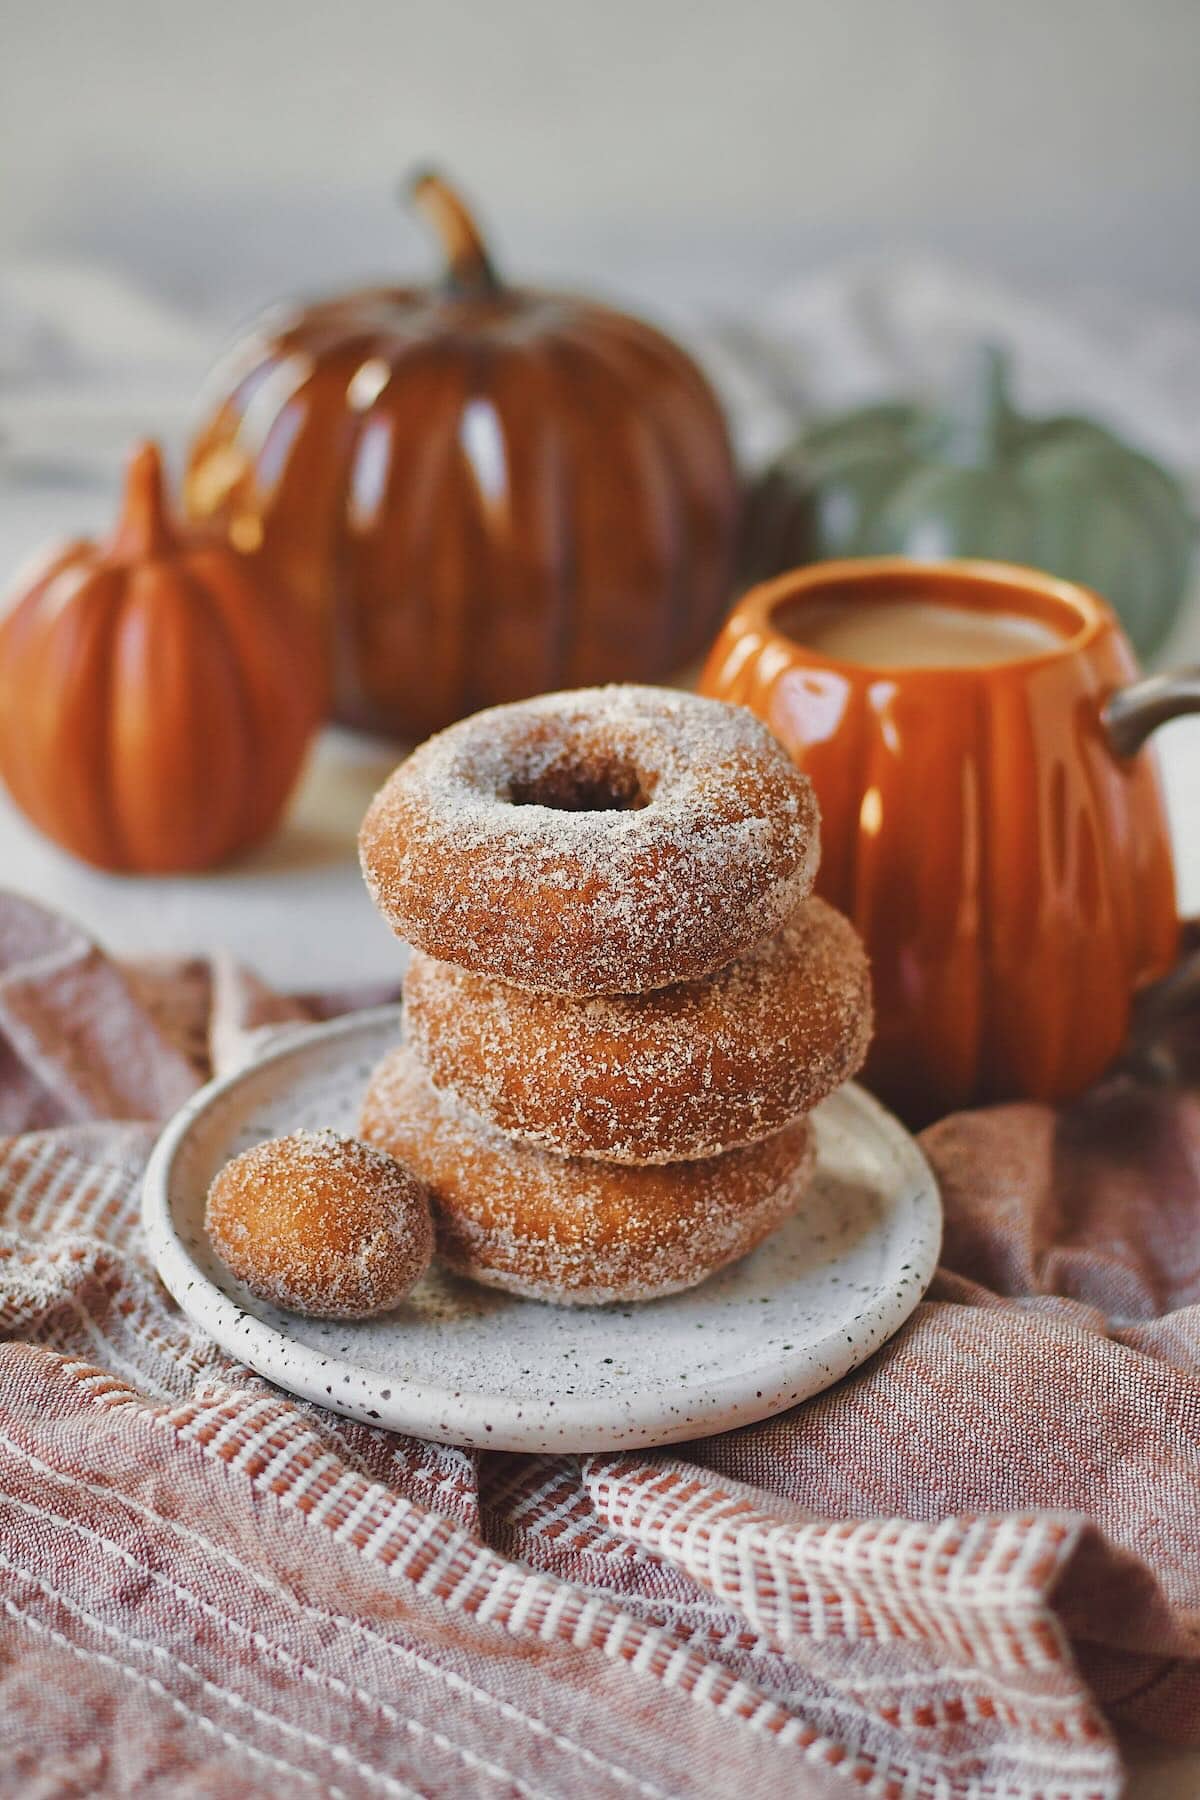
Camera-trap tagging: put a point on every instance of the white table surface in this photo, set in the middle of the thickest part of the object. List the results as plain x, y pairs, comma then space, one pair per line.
295, 911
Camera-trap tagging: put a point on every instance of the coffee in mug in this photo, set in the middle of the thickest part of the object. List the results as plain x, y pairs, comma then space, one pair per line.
910, 632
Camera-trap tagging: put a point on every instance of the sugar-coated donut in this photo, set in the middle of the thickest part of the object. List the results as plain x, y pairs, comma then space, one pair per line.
321, 1224
570, 1231
686, 1071
606, 841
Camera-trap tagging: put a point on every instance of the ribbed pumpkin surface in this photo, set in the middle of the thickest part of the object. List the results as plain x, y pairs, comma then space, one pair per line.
480, 492
1011, 878
156, 695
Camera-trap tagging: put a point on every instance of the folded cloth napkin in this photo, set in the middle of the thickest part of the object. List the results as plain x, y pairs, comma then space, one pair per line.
954, 1574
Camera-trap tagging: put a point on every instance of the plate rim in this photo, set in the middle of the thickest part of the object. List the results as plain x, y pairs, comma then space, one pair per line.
413, 1406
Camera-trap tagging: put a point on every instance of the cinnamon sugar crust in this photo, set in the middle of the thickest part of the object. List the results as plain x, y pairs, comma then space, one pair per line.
321, 1224
609, 840
572, 1231
686, 1071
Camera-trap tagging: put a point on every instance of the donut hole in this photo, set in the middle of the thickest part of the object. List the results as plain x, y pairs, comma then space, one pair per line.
321, 1224
581, 783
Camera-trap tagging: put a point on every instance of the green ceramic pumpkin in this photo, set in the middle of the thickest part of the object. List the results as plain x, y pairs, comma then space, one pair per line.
978, 479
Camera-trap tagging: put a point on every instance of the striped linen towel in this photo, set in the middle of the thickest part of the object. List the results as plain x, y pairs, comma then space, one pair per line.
957, 1574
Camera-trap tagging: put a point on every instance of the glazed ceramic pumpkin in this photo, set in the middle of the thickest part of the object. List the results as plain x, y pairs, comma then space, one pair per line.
975, 478
480, 491
157, 694
1002, 850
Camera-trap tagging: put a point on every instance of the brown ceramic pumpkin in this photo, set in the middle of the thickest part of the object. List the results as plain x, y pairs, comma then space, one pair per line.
156, 694
481, 491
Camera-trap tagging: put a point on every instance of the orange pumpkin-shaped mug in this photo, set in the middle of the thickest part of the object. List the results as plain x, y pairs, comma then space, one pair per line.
989, 820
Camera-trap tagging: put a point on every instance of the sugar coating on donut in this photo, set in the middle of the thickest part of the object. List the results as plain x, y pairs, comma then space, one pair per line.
321, 1224
609, 840
686, 1071
575, 1232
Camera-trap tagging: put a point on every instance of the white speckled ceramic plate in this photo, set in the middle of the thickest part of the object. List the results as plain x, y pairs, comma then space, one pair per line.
464, 1365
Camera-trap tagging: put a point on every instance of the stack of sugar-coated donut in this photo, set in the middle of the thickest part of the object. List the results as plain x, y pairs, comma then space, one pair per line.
623, 1000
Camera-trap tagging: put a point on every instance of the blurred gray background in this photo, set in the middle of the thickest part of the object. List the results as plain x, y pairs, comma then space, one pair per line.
224, 153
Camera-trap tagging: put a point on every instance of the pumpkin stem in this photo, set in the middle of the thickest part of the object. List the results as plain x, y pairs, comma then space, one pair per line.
980, 411
144, 526
469, 269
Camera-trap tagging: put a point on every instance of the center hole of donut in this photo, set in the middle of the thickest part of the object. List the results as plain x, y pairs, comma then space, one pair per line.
581, 787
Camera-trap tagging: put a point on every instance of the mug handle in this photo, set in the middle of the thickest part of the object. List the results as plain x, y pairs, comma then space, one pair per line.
1133, 712
1129, 717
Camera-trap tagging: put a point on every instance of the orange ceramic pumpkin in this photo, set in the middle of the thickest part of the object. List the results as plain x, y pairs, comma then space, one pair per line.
156, 695
1007, 863
481, 491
